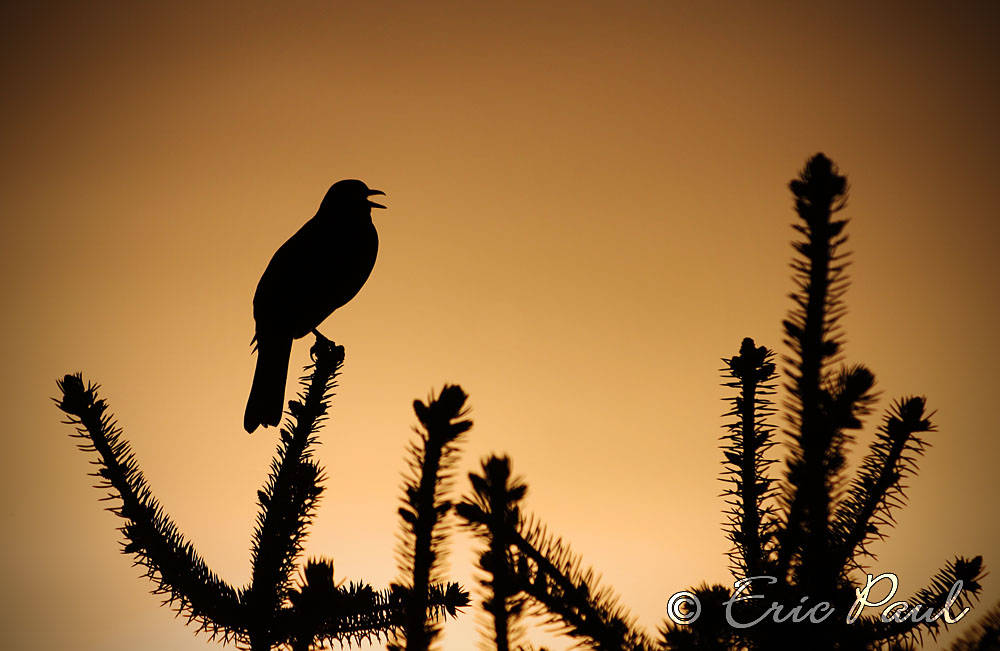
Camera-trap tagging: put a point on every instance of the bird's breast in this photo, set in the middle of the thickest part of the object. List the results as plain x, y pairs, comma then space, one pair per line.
347, 262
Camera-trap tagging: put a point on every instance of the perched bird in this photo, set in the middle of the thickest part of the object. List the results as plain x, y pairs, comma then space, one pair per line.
319, 269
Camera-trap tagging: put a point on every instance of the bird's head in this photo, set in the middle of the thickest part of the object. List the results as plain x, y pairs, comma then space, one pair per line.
350, 194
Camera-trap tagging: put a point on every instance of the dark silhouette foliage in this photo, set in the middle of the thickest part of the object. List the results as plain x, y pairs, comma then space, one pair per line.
985, 636
523, 560
810, 532
493, 512
275, 610
803, 538
424, 509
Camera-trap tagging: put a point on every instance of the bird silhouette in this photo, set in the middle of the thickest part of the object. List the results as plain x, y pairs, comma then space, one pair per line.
318, 270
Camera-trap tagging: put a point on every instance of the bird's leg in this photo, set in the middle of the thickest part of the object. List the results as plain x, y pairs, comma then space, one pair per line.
319, 335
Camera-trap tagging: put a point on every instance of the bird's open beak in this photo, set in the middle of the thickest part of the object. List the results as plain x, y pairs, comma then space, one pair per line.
372, 203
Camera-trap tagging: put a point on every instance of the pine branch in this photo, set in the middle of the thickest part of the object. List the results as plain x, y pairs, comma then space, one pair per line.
985, 636
548, 571
850, 396
812, 334
745, 465
289, 498
492, 511
522, 558
171, 562
953, 589
422, 546
270, 612
323, 612
878, 489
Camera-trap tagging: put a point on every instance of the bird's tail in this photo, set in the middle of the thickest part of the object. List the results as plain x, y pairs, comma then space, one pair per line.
267, 395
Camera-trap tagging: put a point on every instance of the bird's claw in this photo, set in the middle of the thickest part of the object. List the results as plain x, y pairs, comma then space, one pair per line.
322, 345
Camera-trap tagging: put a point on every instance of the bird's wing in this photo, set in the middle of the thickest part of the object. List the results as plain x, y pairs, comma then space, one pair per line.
318, 270
284, 283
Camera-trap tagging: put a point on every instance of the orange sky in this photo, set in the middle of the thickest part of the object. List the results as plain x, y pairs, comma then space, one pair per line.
587, 209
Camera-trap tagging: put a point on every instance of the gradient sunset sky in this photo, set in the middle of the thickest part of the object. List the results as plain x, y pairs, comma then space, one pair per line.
587, 209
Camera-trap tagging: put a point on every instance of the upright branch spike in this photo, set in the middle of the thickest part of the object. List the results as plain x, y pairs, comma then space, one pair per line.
745, 468
492, 511
812, 335
289, 497
424, 508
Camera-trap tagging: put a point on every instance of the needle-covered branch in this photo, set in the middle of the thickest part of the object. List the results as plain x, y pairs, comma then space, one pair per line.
985, 635
553, 576
289, 497
522, 558
946, 601
272, 612
745, 445
422, 545
865, 514
492, 512
323, 612
812, 334
170, 561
